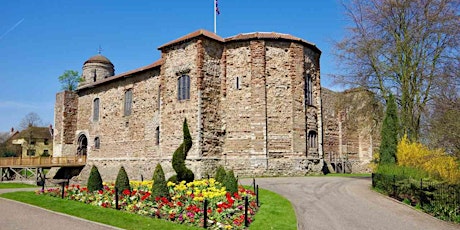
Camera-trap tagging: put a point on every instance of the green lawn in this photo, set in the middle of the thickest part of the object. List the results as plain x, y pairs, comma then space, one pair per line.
275, 212
16, 185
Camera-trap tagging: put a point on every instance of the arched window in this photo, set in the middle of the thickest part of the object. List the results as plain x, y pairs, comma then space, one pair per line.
82, 145
128, 102
96, 109
97, 143
183, 87
312, 139
308, 90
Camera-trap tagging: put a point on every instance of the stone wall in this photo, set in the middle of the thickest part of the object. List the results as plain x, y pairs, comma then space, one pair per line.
246, 111
352, 122
65, 123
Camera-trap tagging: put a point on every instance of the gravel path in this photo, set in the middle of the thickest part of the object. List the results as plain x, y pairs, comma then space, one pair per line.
346, 203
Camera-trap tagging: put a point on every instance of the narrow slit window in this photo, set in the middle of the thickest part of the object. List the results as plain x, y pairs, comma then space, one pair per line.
157, 135
238, 83
128, 102
312, 139
96, 109
97, 143
308, 90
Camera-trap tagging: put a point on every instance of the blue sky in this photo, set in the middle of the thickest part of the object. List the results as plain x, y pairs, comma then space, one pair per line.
39, 40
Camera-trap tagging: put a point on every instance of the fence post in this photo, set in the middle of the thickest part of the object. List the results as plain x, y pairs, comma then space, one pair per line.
116, 199
394, 185
257, 196
205, 221
254, 183
421, 192
246, 204
373, 182
62, 192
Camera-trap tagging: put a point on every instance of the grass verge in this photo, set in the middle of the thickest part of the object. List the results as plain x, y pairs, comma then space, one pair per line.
275, 212
16, 185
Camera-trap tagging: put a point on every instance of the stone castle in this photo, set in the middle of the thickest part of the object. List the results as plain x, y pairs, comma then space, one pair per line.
252, 103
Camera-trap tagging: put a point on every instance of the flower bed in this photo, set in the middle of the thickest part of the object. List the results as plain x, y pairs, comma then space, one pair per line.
185, 206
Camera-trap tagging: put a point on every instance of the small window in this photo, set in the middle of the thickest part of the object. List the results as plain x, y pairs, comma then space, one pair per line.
308, 90
96, 109
32, 142
159, 98
46, 142
238, 83
97, 143
183, 87
46, 153
312, 139
31, 152
157, 135
94, 76
128, 102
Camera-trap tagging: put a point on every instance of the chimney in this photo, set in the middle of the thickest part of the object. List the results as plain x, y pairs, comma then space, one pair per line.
11, 131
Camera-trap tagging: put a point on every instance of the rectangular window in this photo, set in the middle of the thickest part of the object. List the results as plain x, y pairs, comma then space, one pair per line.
96, 110
128, 102
183, 87
46, 153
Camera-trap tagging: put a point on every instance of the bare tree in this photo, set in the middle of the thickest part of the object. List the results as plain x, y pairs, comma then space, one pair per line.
31, 119
4, 136
407, 47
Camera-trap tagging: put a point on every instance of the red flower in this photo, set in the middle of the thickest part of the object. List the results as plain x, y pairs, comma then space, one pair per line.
179, 204
145, 196
126, 192
157, 198
100, 192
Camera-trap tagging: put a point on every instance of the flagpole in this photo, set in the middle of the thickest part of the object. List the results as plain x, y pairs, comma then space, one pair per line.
215, 17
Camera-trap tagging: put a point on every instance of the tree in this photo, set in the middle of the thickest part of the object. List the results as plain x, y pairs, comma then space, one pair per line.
408, 47
389, 134
443, 123
159, 188
94, 180
31, 119
230, 182
69, 80
122, 181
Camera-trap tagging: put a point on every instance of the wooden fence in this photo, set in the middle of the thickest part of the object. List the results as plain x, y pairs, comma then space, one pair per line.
42, 161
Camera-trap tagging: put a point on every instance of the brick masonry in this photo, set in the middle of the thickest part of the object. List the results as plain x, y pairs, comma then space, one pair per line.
246, 110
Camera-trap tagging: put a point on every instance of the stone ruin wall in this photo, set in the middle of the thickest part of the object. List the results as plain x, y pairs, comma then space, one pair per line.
351, 127
65, 120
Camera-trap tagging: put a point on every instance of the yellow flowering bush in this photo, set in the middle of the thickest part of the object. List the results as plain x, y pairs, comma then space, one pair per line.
436, 162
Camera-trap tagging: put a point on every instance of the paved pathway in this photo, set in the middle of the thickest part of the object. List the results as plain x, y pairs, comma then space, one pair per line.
346, 203
20, 216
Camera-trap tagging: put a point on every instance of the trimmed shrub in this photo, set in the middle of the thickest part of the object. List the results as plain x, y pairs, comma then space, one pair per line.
220, 174
94, 180
230, 182
122, 182
159, 188
389, 133
179, 156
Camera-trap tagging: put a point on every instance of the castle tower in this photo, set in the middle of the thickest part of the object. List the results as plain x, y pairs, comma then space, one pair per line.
96, 68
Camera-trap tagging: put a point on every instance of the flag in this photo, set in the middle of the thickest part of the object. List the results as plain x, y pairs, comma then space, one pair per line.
217, 8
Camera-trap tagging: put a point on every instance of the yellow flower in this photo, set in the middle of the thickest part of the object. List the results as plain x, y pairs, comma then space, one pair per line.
169, 184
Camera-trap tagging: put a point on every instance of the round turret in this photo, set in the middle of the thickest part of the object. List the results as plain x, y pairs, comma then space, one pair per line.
96, 68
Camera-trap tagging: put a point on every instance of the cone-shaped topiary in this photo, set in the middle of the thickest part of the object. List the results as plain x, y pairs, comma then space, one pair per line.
159, 188
389, 133
179, 156
94, 180
230, 182
122, 182
220, 174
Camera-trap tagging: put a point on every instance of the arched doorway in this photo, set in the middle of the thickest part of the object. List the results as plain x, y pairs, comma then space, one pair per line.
82, 145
